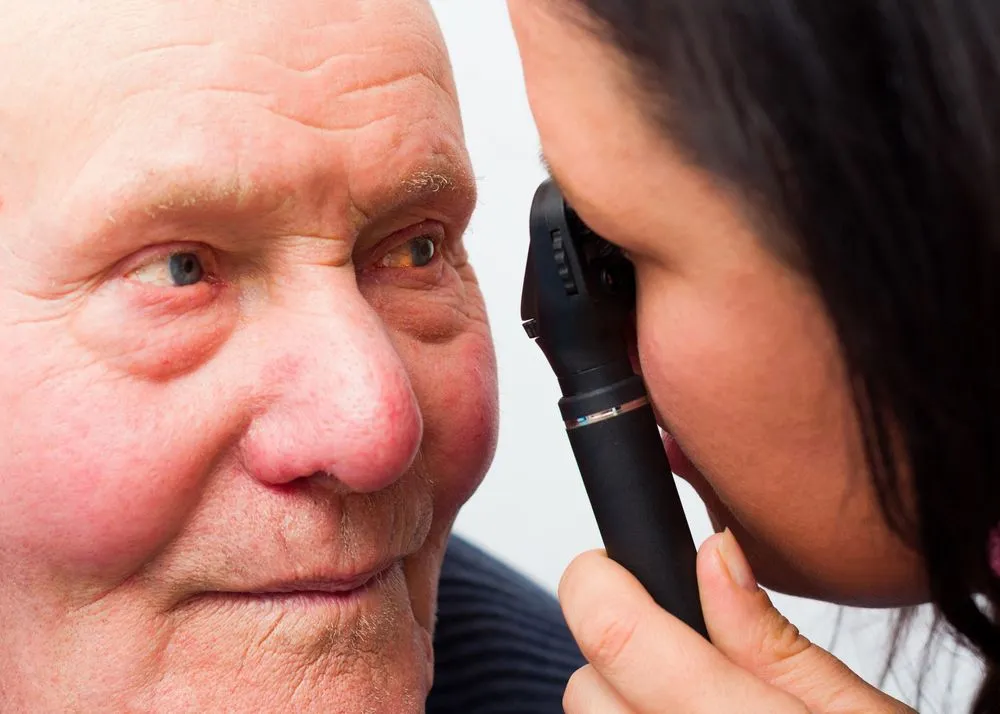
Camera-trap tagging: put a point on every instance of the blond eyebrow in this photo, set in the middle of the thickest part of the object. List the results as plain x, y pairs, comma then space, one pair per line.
440, 180
421, 182
238, 193
235, 194
443, 181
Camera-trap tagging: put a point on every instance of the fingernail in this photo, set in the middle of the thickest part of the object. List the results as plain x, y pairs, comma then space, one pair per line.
735, 562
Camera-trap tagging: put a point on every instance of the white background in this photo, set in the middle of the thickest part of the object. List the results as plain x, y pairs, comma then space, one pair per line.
532, 510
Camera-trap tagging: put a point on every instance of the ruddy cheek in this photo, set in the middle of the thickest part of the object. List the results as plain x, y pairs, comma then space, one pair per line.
161, 338
102, 481
457, 388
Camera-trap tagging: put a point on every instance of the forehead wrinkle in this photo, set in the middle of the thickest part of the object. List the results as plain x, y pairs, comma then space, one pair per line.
219, 66
330, 44
297, 33
340, 54
348, 91
310, 175
146, 206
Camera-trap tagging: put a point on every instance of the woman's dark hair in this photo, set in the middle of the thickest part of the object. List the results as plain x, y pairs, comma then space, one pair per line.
865, 135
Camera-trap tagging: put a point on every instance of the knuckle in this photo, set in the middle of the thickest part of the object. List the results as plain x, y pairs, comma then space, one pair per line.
781, 640
606, 636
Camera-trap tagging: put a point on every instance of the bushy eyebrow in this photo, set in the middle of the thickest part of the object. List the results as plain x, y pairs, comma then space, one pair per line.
434, 183
96, 225
234, 195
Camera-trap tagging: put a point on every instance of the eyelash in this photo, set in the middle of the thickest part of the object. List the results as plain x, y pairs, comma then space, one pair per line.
427, 230
434, 258
211, 266
149, 257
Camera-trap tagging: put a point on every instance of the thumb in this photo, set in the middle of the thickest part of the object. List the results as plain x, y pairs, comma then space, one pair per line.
746, 627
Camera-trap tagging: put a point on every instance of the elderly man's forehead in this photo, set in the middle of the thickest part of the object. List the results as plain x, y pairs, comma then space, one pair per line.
67, 58
316, 93
109, 28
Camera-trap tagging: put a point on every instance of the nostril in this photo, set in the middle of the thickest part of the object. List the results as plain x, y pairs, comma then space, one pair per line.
327, 481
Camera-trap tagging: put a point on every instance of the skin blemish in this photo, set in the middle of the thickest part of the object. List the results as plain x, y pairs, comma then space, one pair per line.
282, 370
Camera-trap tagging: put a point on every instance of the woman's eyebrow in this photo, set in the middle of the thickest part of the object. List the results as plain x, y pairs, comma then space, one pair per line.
543, 159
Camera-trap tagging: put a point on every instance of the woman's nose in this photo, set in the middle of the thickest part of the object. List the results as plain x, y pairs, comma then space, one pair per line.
335, 400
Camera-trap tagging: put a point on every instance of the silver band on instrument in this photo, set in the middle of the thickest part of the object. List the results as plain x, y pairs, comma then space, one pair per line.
607, 414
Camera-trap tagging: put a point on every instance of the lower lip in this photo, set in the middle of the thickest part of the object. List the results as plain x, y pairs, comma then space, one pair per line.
679, 462
681, 465
308, 599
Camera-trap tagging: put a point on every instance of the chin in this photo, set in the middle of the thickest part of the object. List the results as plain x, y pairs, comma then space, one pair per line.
894, 581
394, 679
888, 576
369, 653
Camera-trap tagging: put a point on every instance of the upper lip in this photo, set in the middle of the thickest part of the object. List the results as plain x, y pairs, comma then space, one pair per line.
319, 584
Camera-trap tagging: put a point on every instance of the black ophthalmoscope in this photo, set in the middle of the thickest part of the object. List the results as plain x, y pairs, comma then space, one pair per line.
579, 294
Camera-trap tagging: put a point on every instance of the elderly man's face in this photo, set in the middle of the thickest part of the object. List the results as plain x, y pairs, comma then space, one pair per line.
246, 376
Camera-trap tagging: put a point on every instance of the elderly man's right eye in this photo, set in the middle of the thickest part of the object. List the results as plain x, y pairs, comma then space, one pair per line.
180, 269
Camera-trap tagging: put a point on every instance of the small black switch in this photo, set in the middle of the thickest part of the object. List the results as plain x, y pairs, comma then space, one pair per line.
562, 264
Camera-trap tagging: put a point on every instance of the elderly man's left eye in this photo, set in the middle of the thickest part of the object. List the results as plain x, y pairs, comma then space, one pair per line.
416, 253
177, 270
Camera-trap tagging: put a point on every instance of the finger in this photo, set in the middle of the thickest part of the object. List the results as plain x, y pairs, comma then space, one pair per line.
654, 661
588, 693
746, 627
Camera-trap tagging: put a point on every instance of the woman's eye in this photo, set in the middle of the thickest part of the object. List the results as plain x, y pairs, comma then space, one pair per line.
177, 270
416, 253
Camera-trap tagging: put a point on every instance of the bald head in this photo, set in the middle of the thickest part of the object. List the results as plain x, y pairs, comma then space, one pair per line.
125, 106
142, 71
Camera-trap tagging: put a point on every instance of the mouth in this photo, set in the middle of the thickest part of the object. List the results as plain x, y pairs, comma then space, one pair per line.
680, 464
317, 589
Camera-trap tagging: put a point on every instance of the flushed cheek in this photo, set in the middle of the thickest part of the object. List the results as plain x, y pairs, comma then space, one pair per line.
156, 334
456, 385
105, 472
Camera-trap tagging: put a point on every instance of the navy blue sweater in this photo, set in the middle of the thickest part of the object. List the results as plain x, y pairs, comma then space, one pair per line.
501, 645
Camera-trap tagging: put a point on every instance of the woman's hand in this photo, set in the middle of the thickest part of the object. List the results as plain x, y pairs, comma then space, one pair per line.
645, 661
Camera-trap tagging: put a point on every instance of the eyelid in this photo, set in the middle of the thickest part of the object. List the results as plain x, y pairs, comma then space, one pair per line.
426, 229
148, 256
386, 264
